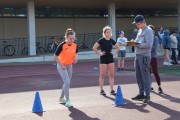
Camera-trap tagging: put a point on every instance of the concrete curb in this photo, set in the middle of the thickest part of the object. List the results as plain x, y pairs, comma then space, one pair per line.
88, 55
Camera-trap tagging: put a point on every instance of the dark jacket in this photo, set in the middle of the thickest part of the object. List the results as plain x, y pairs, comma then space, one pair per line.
178, 39
154, 47
166, 40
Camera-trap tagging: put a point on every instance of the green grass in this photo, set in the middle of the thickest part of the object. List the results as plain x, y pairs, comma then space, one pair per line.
170, 70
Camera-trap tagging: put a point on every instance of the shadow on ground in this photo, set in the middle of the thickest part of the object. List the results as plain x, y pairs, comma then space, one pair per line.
77, 114
130, 105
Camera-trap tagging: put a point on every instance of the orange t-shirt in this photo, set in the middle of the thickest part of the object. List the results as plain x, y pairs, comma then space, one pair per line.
66, 52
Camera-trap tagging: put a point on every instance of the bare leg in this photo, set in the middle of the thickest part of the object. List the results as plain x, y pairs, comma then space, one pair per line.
122, 62
119, 62
102, 75
111, 75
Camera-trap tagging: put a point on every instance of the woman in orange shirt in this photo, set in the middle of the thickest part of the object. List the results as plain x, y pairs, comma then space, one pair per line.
65, 55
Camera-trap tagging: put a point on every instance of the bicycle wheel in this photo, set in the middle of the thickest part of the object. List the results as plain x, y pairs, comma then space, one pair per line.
50, 48
40, 50
24, 51
9, 50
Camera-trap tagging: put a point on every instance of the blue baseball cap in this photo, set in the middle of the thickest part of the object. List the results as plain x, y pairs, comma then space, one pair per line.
138, 18
121, 32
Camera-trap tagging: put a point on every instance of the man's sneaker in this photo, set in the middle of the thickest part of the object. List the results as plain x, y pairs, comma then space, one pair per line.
146, 99
113, 92
62, 100
118, 69
138, 97
102, 92
174, 62
68, 104
152, 89
160, 90
122, 69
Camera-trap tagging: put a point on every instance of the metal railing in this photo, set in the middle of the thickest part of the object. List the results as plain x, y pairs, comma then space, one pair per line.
85, 43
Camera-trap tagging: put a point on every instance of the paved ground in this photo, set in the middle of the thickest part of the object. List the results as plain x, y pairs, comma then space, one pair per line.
18, 84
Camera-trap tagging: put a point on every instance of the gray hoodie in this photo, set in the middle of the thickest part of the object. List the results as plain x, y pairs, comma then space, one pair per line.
145, 37
174, 41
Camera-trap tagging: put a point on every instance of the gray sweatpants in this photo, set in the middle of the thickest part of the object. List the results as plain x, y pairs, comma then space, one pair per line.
143, 77
66, 76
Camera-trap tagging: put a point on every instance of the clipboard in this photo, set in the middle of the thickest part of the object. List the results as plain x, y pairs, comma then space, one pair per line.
132, 43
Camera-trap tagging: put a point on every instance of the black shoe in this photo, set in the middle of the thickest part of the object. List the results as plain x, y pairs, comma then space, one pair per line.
146, 99
113, 92
118, 69
102, 92
138, 97
152, 89
176, 63
160, 90
122, 69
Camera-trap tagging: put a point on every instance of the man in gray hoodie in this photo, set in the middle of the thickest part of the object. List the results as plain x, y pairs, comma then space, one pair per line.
145, 38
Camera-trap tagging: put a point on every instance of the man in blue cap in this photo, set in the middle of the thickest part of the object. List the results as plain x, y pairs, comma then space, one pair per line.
142, 60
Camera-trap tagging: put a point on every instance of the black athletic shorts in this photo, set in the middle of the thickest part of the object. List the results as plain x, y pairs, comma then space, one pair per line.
106, 59
167, 48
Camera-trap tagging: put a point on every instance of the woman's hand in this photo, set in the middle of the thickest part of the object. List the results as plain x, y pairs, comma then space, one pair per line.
63, 67
75, 61
102, 53
116, 50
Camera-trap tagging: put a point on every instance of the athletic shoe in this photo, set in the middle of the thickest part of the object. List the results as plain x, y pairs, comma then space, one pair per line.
113, 92
138, 97
102, 92
62, 100
122, 69
169, 64
165, 63
175, 63
160, 90
118, 69
146, 99
170, 60
68, 104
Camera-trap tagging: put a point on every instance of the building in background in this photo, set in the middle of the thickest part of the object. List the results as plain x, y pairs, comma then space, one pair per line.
29, 20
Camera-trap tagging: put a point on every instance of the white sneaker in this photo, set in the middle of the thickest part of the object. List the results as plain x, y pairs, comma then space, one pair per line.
169, 64
62, 100
170, 60
165, 63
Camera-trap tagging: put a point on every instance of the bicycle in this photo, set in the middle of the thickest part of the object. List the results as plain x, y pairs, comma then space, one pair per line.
83, 45
7, 50
51, 47
39, 49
